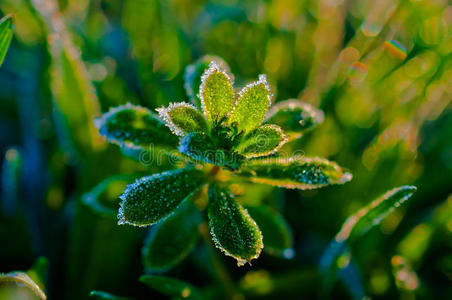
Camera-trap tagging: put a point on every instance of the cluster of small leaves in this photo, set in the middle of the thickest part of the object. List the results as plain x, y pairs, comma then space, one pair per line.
221, 133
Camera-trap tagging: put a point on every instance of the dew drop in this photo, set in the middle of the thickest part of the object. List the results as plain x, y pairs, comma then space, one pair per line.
395, 48
357, 72
370, 29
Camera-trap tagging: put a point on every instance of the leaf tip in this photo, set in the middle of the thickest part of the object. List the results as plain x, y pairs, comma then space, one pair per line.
346, 177
98, 122
214, 67
164, 115
10, 19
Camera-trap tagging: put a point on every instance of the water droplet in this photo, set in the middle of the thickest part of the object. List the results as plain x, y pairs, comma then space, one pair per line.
370, 29
357, 72
395, 48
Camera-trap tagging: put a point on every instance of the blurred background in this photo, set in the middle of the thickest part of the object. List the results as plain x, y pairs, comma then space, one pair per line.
380, 70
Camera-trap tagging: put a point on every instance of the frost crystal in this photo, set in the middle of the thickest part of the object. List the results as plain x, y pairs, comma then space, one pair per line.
252, 104
153, 198
216, 93
164, 113
297, 172
294, 117
234, 232
134, 127
263, 141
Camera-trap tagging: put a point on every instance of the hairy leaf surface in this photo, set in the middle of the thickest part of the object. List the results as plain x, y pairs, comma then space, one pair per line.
173, 239
294, 117
200, 148
153, 198
277, 234
216, 93
182, 118
296, 172
171, 287
233, 230
6, 35
135, 126
252, 104
194, 72
262, 141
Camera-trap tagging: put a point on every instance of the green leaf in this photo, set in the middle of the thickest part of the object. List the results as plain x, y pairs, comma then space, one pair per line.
233, 230
135, 126
38, 272
296, 172
199, 147
99, 295
104, 197
371, 215
294, 117
6, 35
357, 225
277, 234
76, 102
22, 279
155, 197
216, 93
262, 141
173, 239
182, 118
193, 73
252, 104
171, 287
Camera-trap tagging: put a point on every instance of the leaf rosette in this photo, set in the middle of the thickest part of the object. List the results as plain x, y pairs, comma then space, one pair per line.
223, 134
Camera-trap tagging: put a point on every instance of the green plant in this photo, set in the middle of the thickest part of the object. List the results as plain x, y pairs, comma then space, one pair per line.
229, 137
6, 35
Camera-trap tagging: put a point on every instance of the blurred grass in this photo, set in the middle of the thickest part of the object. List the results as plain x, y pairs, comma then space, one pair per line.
381, 71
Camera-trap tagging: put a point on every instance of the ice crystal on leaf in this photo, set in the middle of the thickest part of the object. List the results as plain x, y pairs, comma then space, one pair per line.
224, 135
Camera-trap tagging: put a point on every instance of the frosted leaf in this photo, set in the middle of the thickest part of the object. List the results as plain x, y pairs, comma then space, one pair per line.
136, 127
194, 72
371, 215
199, 147
216, 93
233, 230
294, 117
6, 35
276, 232
182, 118
262, 141
175, 288
153, 198
252, 104
170, 241
296, 172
